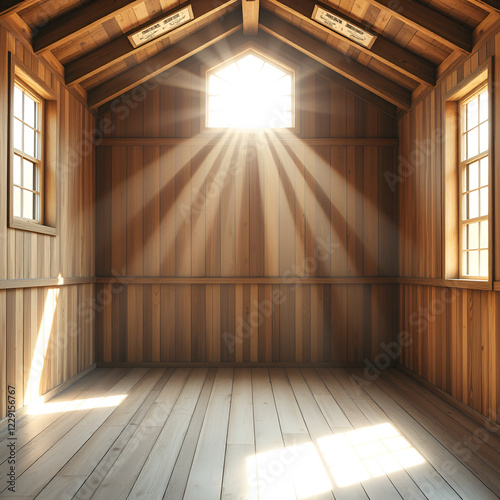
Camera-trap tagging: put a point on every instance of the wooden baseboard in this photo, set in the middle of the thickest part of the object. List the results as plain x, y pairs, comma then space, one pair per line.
475, 415
229, 364
51, 394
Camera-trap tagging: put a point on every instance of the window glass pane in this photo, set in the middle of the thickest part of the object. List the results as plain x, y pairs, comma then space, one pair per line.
29, 111
484, 202
473, 204
484, 171
473, 239
216, 103
28, 175
18, 102
17, 202
483, 265
18, 134
474, 263
472, 114
17, 170
271, 74
283, 85
483, 100
483, 229
484, 137
29, 141
465, 206
36, 208
472, 143
218, 86
27, 205
38, 146
465, 263
473, 176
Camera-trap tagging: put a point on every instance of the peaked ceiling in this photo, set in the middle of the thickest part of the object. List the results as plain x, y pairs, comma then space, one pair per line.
416, 41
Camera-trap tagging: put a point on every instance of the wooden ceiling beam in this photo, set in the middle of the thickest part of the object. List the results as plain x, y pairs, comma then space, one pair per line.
488, 5
363, 76
166, 59
431, 22
76, 21
250, 9
384, 50
120, 48
8, 7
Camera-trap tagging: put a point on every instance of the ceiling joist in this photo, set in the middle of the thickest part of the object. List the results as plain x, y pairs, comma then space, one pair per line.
250, 9
74, 22
166, 59
335, 60
434, 24
384, 50
120, 48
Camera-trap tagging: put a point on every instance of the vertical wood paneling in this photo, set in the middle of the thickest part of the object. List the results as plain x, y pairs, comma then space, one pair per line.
250, 205
453, 333
46, 334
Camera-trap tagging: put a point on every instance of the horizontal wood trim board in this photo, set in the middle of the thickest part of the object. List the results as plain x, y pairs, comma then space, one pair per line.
480, 419
110, 280
211, 140
444, 283
44, 282
229, 364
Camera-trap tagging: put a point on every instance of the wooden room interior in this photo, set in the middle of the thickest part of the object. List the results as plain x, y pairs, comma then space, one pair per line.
248, 249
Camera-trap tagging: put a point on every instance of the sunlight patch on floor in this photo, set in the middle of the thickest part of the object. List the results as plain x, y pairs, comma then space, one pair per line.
76, 405
362, 454
305, 470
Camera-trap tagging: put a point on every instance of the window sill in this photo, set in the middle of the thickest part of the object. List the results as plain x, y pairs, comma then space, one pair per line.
448, 283
33, 227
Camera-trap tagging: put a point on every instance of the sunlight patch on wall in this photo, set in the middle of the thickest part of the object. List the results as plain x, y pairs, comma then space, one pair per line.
32, 391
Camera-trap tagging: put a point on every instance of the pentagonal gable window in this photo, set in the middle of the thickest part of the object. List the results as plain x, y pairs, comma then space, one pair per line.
250, 92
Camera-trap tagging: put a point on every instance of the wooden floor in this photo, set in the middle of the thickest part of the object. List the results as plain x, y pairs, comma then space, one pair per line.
250, 433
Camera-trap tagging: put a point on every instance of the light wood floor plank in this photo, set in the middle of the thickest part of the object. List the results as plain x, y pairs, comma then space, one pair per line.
154, 477
272, 478
205, 479
180, 474
241, 429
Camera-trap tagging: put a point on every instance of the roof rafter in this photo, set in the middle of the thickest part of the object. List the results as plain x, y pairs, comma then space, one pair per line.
8, 7
431, 22
335, 60
74, 22
166, 59
120, 48
250, 10
384, 50
488, 5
